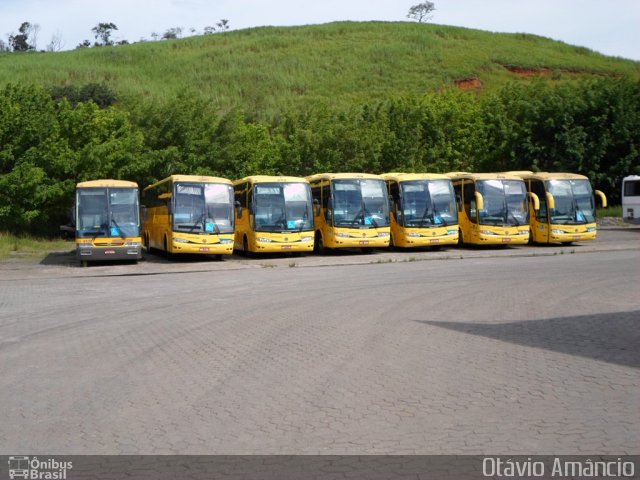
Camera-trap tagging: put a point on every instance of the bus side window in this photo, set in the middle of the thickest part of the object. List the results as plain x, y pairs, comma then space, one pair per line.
537, 187
394, 200
469, 191
326, 196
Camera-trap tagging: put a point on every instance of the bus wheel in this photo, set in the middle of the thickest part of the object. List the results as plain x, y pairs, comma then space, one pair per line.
460, 239
531, 242
567, 243
391, 244
165, 246
245, 247
318, 246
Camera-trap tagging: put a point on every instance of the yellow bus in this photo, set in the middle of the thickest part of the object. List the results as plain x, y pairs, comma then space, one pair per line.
566, 209
107, 222
492, 208
189, 214
273, 214
423, 209
351, 210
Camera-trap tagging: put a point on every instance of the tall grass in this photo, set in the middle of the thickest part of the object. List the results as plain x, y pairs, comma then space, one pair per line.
268, 68
14, 246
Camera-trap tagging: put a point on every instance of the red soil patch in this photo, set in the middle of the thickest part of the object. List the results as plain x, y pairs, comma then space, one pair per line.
529, 72
469, 83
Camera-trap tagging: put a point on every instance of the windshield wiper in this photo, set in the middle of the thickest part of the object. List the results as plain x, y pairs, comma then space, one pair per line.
113, 220
579, 211
197, 222
425, 215
364, 216
305, 217
436, 212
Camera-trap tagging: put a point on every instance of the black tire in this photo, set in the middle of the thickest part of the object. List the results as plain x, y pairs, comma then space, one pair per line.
245, 247
318, 246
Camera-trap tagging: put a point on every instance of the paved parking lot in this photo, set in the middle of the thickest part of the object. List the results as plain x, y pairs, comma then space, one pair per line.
496, 352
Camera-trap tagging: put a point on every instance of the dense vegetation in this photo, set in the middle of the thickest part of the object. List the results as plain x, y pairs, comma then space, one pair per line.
298, 101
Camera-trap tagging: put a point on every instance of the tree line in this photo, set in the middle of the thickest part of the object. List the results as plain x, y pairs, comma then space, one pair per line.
50, 139
26, 40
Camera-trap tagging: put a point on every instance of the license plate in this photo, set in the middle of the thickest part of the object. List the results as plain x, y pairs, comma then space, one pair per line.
204, 249
286, 247
364, 242
109, 252
506, 240
434, 240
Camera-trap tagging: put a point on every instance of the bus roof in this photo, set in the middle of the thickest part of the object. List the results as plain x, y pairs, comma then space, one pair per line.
407, 177
547, 176
343, 176
482, 176
105, 183
191, 178
270, 179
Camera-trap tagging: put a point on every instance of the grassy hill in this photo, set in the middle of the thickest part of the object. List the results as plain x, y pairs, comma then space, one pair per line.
267, 68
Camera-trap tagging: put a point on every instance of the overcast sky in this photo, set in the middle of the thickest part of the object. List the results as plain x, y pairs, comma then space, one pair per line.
611, 27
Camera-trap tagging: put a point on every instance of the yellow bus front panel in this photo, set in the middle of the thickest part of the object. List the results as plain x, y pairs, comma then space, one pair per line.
407, 237
207, 244
274, 242
338, 237
545, 233
495, 235
97, 249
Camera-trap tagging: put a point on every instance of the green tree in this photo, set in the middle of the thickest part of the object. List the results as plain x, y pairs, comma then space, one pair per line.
22, 41
102, 33
422, 11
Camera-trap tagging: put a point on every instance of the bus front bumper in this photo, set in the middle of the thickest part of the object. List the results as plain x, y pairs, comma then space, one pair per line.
417, 240
225, 248
558, 235
89, 253
277, 247
502, 238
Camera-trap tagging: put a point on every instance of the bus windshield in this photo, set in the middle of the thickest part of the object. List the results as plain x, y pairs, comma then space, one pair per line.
428, 203
574, 203
282, 207
205, 208
505, 202
360, 203
107, 212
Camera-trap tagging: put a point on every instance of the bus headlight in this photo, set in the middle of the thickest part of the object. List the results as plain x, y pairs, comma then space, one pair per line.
263, 240
306, 239
383, 234
591, 229
181, 240
343, 235
225, 241
555, 231
487, 232
413, 235
132, 244
84, 245
523, 232
452, 232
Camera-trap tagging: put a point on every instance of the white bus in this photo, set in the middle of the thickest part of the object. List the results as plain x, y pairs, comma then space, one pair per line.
631, 199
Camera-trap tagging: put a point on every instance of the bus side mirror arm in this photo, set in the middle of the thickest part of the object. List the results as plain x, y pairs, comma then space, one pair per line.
536, 200
603, 198
551, 202
479, 201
